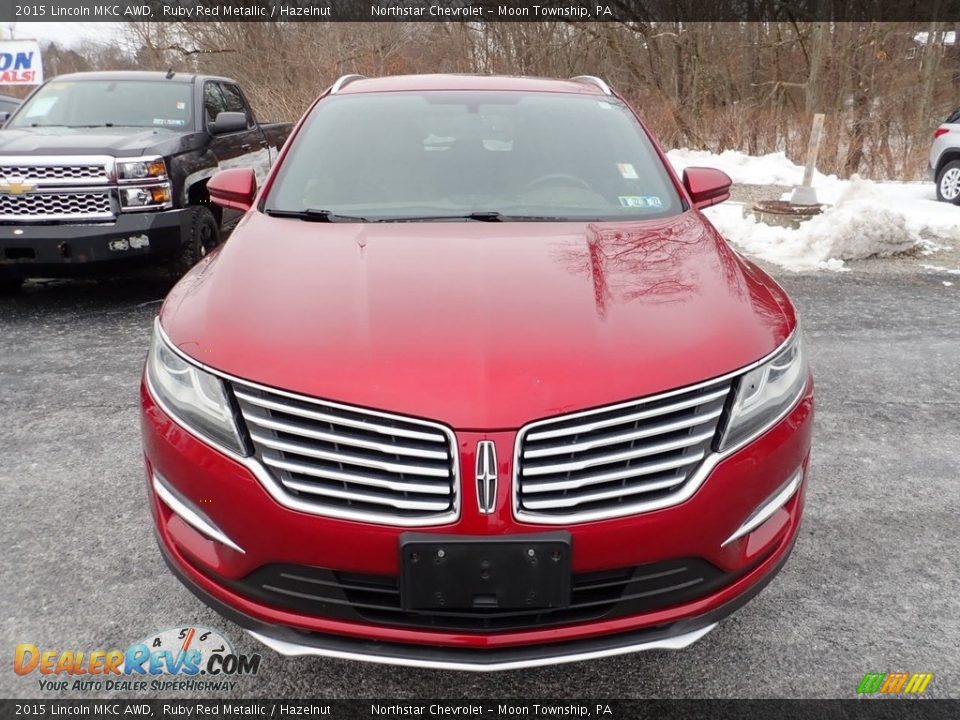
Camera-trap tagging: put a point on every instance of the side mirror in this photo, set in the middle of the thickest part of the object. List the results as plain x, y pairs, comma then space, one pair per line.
228, 122
706, 186
4, 116
235, 188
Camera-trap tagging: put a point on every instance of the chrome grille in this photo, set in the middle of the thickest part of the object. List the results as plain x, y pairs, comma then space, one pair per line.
56, 206
87, 172
614, 461
350, 462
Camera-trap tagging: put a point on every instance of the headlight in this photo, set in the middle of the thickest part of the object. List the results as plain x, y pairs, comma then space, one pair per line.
766, 392
142, 169
193, 396
149, 197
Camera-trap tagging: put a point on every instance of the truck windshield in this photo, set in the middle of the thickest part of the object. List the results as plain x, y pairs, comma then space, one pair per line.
482, 156
108, 103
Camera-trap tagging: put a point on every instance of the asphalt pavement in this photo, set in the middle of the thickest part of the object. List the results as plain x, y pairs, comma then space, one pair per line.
873, 584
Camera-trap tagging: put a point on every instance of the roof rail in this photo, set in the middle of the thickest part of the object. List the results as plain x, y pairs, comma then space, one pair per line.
343, 81
592, 80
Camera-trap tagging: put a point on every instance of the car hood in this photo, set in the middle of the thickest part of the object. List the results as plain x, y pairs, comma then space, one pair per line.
83, 141
479, 325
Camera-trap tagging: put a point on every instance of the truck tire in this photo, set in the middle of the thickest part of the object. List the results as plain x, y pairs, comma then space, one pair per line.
203, 236
10, 285
948, 183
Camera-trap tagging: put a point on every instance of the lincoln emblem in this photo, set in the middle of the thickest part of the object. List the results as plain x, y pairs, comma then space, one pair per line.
486, 476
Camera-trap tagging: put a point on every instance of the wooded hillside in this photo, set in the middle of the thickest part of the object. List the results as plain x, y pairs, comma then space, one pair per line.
746, 86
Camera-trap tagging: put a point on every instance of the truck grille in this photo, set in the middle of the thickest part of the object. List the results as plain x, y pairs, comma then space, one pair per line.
350, 462
95, 172
56, 206
616, 460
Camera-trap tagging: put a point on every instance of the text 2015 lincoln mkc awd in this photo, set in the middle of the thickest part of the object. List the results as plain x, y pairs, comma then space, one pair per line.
474, 384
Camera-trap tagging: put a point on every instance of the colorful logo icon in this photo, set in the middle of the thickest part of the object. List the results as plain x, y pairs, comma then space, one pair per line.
899, 683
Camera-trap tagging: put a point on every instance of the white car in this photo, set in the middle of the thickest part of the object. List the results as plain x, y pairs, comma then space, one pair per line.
945, 159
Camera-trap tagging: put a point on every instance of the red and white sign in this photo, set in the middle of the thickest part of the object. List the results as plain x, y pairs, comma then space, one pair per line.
20, 62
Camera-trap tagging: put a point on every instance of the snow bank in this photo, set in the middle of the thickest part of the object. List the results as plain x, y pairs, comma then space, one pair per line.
772, 169
861, 224
865, 219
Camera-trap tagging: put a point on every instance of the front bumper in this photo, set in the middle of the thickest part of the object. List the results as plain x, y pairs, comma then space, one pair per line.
234, 501
293, 642
67, 250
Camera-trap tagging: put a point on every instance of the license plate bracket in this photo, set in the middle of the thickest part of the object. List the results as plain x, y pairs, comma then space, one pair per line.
459, 572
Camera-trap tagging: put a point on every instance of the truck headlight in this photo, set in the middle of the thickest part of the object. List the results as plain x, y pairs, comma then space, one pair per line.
195, 398
147, 197
142, 169
766, 393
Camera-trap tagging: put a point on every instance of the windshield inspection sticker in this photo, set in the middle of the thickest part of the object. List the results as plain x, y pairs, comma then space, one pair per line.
627, 172
641, 201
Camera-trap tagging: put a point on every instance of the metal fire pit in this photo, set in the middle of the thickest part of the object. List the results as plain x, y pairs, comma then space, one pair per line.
782, 213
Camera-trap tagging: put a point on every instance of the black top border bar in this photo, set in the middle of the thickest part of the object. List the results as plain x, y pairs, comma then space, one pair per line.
629, 11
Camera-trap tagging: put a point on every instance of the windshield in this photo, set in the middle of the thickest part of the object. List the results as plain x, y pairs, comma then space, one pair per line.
490, 155
108, 103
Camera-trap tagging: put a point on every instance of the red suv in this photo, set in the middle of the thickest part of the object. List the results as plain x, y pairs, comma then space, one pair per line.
474, 384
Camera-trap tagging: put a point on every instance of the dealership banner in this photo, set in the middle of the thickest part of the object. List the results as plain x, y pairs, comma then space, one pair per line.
20, 62
494, 709
480, 10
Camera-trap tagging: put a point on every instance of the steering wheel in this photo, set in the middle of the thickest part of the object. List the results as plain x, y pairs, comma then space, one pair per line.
556, 179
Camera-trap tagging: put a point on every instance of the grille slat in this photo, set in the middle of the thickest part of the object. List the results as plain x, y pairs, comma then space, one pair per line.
632, 454
369, 425
627, 418
614, 461
644, 432
366, 498
304, 469
86, 172
613, 494
341, 439
93, 205
338, 456
633, 471
350, 462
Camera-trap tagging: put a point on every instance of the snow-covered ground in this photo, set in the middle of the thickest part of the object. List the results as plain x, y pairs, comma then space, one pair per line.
865, 219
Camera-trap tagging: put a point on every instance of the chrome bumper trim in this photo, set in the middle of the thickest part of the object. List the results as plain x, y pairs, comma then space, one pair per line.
192, 516
759, 516
290, 649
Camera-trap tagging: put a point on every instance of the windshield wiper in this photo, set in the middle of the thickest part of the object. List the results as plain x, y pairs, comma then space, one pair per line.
314, 215
484, 216
73, 126
477, 215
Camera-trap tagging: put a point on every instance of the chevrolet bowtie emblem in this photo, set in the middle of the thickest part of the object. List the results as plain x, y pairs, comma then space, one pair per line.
15, 186
486, 476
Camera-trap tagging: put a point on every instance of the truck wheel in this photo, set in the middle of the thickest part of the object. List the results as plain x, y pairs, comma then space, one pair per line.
948, 183
9, 285
204, 236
